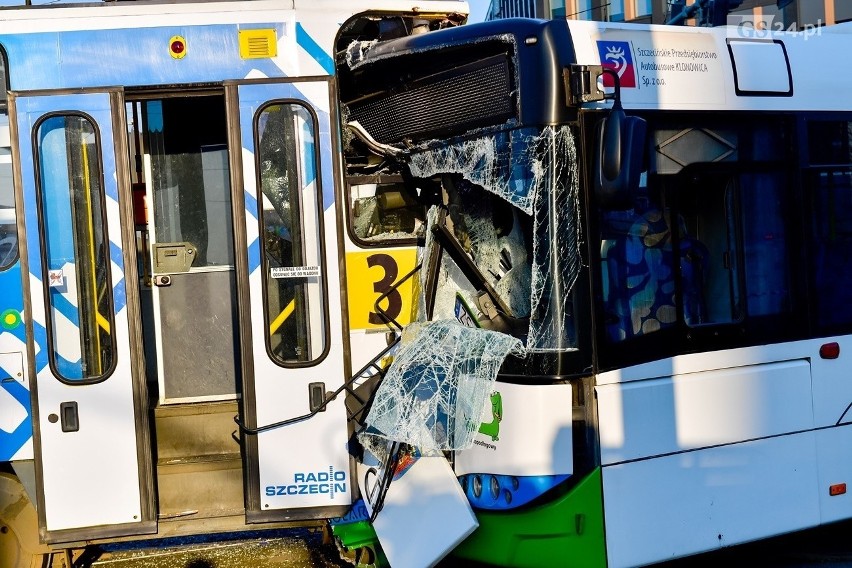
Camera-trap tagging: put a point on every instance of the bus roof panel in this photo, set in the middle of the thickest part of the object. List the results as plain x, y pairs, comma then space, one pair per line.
724, 68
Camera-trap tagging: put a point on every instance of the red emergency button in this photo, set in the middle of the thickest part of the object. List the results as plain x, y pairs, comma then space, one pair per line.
177, 47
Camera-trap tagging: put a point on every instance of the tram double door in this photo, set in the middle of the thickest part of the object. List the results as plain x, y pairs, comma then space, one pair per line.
188, 260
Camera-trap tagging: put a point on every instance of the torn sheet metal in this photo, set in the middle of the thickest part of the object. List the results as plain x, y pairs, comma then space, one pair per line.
423, 499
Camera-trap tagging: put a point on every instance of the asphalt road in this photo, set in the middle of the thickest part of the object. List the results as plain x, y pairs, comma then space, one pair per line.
824, 547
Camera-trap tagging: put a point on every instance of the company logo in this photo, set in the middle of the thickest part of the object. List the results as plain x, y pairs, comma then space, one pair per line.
492, 428
616, 55
312, 483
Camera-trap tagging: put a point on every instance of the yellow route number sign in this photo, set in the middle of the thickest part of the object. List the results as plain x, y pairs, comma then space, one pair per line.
371, 274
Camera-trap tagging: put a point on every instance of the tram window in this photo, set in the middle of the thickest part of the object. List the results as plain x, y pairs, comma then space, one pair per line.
291, 229
384, 210
8, 234
75, 257
191, 178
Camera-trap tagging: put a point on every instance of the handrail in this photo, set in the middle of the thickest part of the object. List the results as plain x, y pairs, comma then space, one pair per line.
347, 385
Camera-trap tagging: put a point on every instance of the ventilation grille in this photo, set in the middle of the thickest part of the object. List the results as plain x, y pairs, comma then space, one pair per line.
257, 44
451, 102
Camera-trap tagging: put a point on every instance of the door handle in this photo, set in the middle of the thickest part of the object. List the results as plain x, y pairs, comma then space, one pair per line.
68, 416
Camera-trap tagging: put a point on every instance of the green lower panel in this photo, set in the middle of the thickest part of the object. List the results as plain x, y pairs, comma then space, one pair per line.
355, 535
568, 531
361, 535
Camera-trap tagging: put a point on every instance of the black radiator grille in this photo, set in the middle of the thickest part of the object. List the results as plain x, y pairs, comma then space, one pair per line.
451, 102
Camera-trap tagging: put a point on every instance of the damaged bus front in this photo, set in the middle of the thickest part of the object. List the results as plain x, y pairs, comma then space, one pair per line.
632, 299
475, 122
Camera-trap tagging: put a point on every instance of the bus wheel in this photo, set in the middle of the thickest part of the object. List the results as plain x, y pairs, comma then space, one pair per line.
19, 546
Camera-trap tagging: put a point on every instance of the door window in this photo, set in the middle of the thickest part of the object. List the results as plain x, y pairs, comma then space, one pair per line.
291, 229
76, 256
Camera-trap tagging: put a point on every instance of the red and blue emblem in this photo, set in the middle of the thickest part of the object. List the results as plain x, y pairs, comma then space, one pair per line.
616, 55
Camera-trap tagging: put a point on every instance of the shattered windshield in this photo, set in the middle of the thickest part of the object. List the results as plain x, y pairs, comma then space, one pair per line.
529, 253
501, 258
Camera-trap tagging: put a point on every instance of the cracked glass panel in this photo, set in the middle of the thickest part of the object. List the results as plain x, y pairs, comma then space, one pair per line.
433, 393
536, 171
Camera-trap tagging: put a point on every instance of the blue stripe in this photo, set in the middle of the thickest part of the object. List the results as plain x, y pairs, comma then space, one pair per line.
11, 442
314, 50
40, 337
254, 255
119, 296
61, 304
115, 254
67, 369
251, 204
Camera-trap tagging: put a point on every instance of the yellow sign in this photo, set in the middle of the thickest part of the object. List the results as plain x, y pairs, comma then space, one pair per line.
372, 273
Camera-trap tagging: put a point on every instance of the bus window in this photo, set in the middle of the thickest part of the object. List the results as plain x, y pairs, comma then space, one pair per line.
75, 257
710, 254
291, 226
705, 241
763, 219
830, 192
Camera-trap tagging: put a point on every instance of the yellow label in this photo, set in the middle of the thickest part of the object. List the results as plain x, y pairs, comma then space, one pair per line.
369, 275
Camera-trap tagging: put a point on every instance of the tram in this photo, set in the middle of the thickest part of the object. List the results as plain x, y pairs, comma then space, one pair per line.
173, 255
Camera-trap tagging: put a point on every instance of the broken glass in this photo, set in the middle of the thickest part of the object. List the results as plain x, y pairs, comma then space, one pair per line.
536, 171
434, 391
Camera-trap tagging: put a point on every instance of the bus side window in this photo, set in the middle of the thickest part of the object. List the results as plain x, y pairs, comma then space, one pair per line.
765, 246
733, 247
710, 256
829, 183
831, 203
638, 271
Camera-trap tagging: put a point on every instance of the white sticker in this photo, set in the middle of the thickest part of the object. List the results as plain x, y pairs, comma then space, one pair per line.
55, 278
294, 271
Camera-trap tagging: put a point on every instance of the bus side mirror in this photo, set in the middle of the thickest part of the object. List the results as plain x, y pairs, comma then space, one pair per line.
620, 149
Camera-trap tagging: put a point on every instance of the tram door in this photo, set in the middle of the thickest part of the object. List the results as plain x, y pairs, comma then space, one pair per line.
292, 327
90, 420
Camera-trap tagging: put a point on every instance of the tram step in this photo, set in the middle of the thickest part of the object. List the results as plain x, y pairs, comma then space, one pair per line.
200, 487
206, 429
273, 549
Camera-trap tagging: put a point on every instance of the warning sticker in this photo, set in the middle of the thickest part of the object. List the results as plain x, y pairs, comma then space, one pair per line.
294, 271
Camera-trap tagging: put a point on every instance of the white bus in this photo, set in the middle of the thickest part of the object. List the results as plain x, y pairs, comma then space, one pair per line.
674, 274
173, 255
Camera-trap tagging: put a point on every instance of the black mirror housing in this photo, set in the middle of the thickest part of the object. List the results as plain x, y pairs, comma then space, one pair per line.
619, 159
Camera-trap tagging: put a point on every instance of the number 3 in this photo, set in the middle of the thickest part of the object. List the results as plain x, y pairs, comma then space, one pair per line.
391, 271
